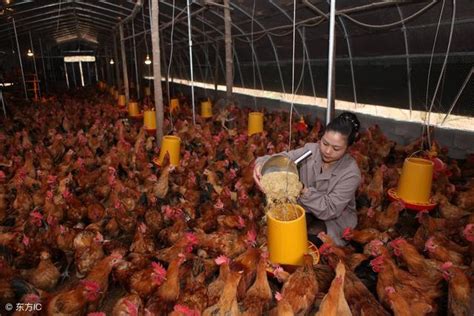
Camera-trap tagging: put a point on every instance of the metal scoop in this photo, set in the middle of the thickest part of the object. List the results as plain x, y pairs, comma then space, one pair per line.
281, 162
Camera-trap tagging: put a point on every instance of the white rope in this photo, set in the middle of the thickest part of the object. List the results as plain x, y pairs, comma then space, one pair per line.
144, 34
443, 69
253, 56
191, 59
292, 73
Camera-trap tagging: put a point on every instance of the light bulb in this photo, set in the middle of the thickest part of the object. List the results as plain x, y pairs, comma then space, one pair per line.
147, 60
29, 53
112, 61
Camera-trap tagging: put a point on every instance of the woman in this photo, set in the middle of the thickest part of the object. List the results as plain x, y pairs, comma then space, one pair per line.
330, 177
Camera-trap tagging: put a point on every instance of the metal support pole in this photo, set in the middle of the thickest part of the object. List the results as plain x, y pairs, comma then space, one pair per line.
229, 60
155, 41
34, 64
19, 58
81, 73
67, 77
118, 79
137, 80
331, 65
124, 64
190, 44
74, 75
44, 68
96, 73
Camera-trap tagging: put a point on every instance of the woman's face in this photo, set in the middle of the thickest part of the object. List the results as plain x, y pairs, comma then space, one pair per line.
333, 146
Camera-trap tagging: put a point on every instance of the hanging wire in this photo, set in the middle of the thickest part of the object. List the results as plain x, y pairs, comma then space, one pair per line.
443, 69
432, 55
253, 57
191, 59
414, 15
292, 73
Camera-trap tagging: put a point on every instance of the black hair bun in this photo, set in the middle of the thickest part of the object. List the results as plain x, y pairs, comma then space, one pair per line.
352, 118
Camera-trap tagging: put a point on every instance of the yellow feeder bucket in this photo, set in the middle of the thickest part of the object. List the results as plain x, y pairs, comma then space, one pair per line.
112, 91
255, 123
116, 94
206, 109
147, 91
172, 145
287, 240
149, 120
414, 185
174, 104
122, 100
133, 109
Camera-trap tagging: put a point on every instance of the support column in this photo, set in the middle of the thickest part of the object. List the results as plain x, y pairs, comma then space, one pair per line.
124, 64
229, 60
34, 64
44, 68
331, 65
191, 67
155, 41
118, 79
137, 80
19, 58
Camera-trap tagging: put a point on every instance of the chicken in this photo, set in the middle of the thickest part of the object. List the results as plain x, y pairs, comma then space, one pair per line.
448, 210
283, 306
438, 252
388, 219
88, 251
168, 292
130, 305
259, 294
227, 304
145, 282
161, 186
334, 303
416, 263
416, 290
45, 276
459, 292
375, 188
402, 307
301, 287
74, 301
246, 262
143, 241
100, 276
465, 199
214, 289
363, 236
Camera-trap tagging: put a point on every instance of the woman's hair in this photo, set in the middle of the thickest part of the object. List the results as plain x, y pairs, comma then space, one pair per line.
347, 124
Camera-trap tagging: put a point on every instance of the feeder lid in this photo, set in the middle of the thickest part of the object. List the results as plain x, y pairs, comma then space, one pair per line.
416, 206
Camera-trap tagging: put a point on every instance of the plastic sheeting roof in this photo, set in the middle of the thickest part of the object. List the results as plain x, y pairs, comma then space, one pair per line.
379, 32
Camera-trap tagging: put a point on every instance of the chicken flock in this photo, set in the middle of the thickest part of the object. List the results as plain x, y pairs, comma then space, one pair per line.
90, 226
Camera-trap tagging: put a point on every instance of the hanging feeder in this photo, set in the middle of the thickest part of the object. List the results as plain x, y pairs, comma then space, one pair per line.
133, 110
287, 241
147, 91
414, 185
122, 101
174, 104
206, 109
172, 145
255, 123
149, 121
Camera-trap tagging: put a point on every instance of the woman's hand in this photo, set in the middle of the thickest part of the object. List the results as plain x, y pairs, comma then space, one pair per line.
257, 176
